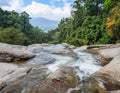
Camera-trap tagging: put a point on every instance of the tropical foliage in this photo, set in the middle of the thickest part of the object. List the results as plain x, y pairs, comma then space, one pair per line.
92, 22
15, 28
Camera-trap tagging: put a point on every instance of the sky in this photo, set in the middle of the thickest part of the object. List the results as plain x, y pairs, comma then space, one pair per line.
49, 9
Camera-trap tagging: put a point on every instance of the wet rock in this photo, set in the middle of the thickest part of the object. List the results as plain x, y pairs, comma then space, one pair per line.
68, 46
72, 47
37, 48
67, 50
59, 49
2, 85
65, 45
60, 81
10, 53
92, 85
72, 54
42, 59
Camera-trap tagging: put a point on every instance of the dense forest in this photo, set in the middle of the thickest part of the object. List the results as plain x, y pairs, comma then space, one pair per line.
91, 22
15, 28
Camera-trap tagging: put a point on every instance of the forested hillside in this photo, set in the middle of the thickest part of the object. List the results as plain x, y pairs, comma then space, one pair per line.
92, 22
15, 28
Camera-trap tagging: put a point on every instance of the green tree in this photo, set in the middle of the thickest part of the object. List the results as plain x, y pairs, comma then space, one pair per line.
25, 25
11, 36
38, 36
13, 20
65, 28
53, 36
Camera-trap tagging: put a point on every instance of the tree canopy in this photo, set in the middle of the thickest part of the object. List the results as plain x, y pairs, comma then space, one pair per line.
92, 22
15, 28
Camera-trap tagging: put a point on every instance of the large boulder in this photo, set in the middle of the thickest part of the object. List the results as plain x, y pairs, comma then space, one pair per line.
36, 82
105, 53
60, 81
28, 83
10, 73
108, 54
10, 53
108, 77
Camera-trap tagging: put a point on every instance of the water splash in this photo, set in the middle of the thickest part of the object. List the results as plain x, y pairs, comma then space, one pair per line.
59, 62
84, 65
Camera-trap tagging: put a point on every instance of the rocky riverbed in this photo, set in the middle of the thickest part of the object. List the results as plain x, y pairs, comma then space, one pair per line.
107, 79
61, 68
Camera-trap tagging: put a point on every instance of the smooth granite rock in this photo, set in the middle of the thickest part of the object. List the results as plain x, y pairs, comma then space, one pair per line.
9, 53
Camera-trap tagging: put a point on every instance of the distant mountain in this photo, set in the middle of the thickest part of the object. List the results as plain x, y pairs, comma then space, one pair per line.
44, 24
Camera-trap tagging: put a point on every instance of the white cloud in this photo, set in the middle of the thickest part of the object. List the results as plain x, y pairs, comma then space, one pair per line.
36, 9
13, 5
60, 0
47, 11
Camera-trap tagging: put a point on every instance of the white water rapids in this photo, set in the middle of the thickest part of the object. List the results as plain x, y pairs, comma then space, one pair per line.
85, 64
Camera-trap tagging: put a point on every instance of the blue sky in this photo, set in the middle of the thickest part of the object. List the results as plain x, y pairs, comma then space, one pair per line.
58, 3
50, 9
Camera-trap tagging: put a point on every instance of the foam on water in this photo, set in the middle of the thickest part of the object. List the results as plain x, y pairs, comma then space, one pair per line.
85, 65
72, 89
59, 62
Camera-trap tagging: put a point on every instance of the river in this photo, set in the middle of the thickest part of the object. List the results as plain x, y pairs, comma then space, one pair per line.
85, 64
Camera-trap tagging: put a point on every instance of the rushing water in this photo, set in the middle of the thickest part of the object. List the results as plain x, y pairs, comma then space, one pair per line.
85, 64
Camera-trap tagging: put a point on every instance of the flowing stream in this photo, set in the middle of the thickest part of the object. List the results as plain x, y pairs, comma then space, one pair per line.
85, 64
